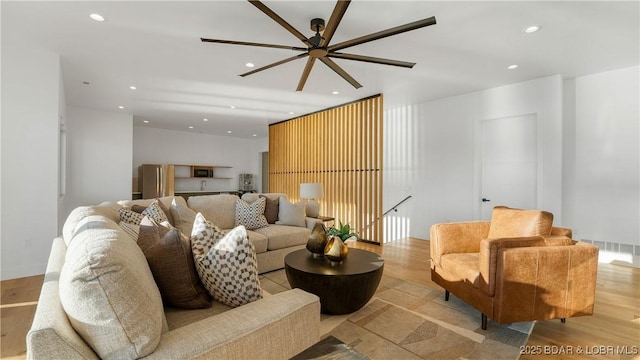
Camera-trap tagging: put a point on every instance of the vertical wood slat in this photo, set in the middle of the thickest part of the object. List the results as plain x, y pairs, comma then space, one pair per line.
342, 149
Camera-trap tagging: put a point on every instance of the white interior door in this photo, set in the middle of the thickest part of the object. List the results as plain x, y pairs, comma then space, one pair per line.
509, 163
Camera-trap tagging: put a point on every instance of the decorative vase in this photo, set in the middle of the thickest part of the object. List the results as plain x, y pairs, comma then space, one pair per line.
336, 250
317, 240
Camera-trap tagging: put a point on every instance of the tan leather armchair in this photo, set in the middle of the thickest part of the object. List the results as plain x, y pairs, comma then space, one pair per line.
518, 267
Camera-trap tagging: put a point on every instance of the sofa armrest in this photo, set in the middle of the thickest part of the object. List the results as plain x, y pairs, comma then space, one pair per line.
488, 257
51, 335
276, 327
461, 237
560, 231
549, 282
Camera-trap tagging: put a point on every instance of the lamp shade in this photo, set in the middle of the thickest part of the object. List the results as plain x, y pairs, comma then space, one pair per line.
311, 190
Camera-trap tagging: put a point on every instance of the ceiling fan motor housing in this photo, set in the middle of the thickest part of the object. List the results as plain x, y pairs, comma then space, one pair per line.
317, 24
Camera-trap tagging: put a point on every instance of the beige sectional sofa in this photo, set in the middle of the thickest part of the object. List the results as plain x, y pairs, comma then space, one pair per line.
133, 321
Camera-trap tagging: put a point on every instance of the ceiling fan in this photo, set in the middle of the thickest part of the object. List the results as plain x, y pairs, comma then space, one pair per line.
318, 45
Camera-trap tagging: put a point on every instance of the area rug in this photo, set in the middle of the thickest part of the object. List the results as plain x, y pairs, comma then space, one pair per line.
409, 321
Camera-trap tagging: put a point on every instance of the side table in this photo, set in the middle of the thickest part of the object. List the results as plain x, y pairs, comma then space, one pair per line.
342, 288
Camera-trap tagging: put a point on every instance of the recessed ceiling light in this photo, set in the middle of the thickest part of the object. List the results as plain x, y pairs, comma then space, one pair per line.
531, 29
120, 107
335, 92
512, 67
254, 135
132, 87
146, 121
190, 127
96, 17
249, 65
205, 119
229, 132
291, 113
233, 107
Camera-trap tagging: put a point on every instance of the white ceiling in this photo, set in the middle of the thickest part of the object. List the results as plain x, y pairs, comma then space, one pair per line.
155, 46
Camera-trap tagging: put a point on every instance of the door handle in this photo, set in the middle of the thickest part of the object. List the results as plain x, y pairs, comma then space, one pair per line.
485, 200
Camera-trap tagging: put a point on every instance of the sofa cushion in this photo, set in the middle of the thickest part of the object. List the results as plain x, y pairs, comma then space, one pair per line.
507, 222
219, 209
291, 214
283, 236
251, 215
226, 263
168, 253
260, 242
109, 295
183, 216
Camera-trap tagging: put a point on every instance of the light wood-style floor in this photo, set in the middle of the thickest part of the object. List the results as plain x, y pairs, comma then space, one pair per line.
615, 323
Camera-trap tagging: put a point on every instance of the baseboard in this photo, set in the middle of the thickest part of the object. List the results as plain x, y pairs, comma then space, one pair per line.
16, 272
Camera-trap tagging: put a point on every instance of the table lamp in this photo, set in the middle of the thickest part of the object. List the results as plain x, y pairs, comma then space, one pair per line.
311, 191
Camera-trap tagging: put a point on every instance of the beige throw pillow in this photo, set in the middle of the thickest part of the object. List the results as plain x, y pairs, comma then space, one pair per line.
291, 214
109, 295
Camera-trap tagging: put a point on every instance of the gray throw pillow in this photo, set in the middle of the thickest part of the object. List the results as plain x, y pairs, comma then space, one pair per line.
291, 214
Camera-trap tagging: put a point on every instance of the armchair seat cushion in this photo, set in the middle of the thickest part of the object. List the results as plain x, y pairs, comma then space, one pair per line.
463, 267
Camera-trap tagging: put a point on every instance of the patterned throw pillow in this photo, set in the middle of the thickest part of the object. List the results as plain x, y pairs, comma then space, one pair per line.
251, 215
131, 229
154, 211
226, 264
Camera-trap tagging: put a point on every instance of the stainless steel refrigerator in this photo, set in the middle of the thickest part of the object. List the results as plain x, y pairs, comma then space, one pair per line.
155, 181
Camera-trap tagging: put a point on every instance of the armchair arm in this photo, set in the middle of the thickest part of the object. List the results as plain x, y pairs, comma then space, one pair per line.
489, 249
538, 283
461, 237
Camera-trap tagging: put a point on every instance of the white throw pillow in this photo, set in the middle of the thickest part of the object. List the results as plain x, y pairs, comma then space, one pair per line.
226, 264
251, 215
291, 214
109, 295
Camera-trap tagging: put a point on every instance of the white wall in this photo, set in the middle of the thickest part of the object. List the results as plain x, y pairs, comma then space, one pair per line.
30, 95
158, 146
602, 157
99, 148
431, 151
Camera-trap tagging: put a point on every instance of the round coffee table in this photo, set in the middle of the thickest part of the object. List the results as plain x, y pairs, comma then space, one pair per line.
343, 288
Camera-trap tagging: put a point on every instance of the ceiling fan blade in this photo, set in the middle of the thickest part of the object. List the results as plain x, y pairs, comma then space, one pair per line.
253, 44
334, 20
340, 72
280, 21
384, 33
371, 59
275, 64
305, 73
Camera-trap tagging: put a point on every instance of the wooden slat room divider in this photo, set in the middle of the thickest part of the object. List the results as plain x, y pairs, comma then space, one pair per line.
340, 148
